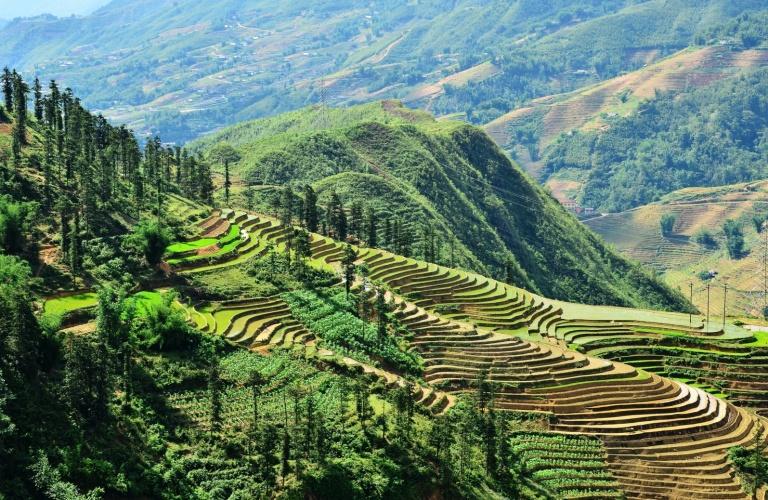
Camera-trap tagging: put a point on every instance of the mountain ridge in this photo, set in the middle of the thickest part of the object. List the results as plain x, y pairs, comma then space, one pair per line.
446, 175
183, 70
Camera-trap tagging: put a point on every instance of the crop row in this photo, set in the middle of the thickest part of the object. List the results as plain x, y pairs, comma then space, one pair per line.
567, 466
330, 319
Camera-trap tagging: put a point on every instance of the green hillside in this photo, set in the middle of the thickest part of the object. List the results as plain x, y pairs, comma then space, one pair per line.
711, 136
184, 68
152, 346
462, 200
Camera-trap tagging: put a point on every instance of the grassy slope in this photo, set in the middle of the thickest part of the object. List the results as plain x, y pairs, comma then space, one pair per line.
636, 234
452, 177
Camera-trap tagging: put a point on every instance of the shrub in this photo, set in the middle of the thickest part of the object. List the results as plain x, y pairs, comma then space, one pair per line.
15, 223
705, 238
734, 236
150, 238
667, 223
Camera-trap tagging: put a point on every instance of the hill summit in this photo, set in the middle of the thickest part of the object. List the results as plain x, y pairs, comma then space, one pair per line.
458, 198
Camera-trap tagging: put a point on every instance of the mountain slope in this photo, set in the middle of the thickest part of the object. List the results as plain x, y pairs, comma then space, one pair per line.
447, 179
581, 143
186, 67
712, 136
588, 108
681, 259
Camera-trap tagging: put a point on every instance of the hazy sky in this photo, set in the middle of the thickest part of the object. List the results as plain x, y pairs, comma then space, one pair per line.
15, 8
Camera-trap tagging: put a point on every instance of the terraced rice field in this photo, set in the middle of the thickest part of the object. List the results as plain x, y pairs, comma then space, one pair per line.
67, 303
686, 69
662, 438
636, 234
225, 239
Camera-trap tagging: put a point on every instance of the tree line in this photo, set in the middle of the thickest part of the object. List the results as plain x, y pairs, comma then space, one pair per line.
90, 169
360, 223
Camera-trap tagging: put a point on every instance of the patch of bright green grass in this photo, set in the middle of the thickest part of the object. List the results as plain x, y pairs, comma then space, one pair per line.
63, 305
761, 339
190, 245
227, 244
147, 300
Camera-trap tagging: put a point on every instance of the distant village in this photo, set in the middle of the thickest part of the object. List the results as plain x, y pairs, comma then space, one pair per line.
575, 208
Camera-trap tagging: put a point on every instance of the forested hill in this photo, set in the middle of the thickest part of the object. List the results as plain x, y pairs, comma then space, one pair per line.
712, 136
453, 196
232, 60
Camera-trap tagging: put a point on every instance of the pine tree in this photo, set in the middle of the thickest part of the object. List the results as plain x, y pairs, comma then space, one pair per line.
86, 382
75, 248
356, 219
404, 239
388, 233
310, 209
204, 182
509, 271
285, 456
48, 165
302, 247
110, 327
348, 266
39, 105
371, 230
214, 394
287, 202
382, 309
337, 218
256, 381
7, 82
227, 182
20, 91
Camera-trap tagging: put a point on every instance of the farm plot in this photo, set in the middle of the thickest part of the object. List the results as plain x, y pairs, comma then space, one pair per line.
661, 437
568, 467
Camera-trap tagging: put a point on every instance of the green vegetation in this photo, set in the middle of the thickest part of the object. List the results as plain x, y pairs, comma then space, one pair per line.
63, 305
330, 316
150, 238
566, 466
333, 346
205, 419
390, 48
705, 238
746, 31
16, 222
734, 238
442, 191
710, 136
190, 245
667, 224
225, 244
751, 463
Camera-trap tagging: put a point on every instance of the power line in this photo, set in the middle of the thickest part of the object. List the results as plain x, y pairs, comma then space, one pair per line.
765, 267
707, 323
690, 314
725, 297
